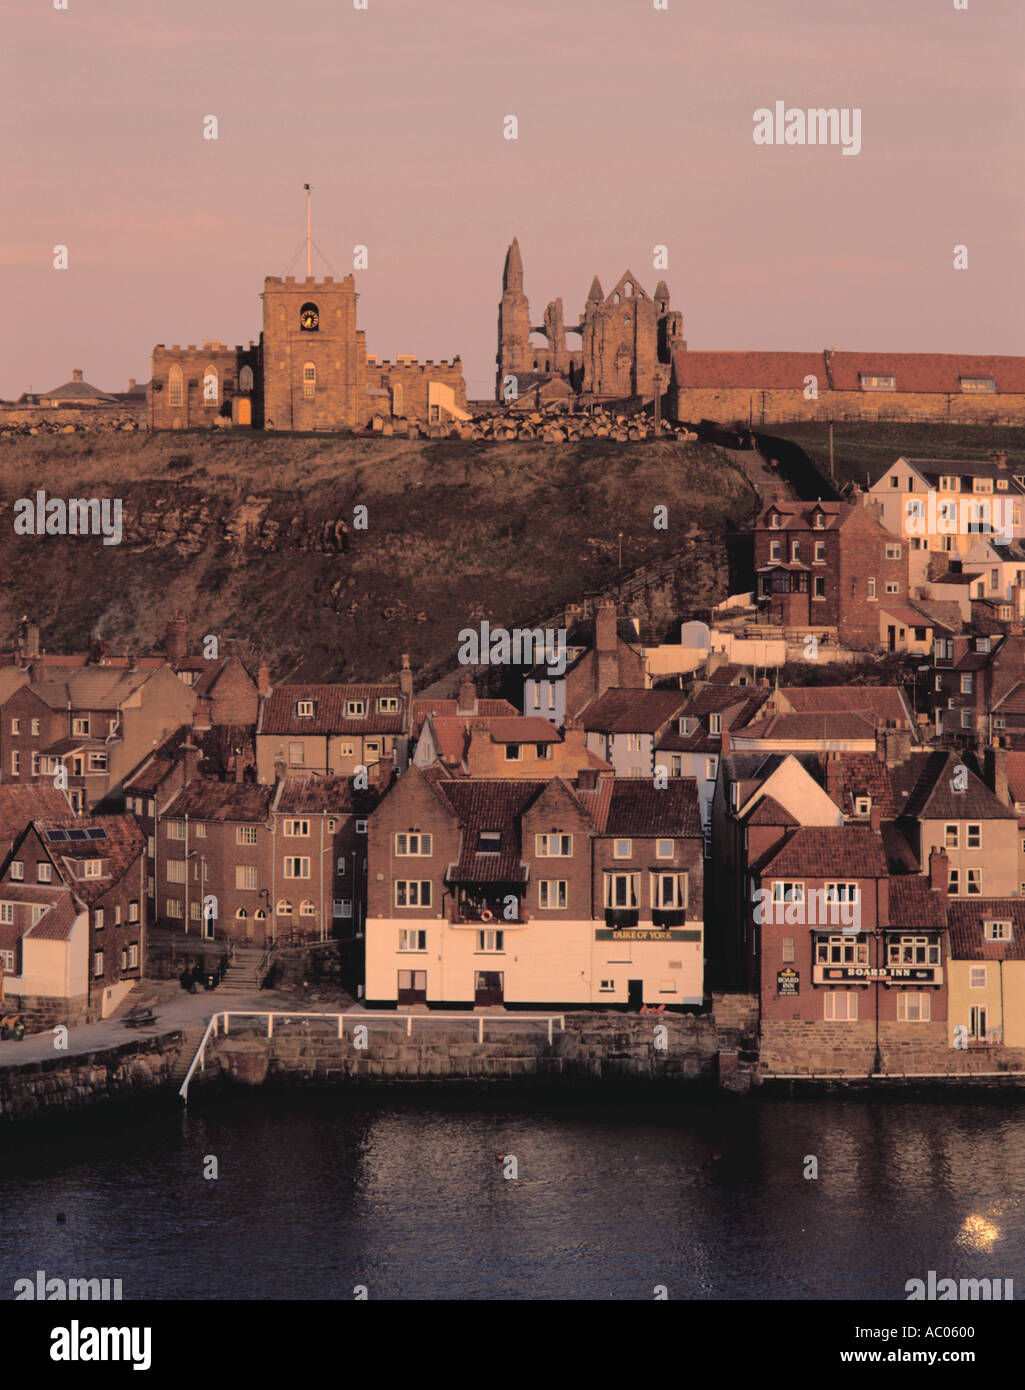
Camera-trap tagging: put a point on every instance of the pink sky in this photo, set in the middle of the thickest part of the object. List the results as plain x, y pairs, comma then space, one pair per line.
635, 128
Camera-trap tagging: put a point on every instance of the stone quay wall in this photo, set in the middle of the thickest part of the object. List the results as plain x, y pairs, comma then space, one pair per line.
848, 1050
594, 1048
68, 1082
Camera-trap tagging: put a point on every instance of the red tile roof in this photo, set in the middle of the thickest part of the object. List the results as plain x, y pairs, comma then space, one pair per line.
816, 851
1016, 775
641, 810
966, 917
625, 711
523, 729
21, 803
331, 796
449, 709
278, 716
489, 804
120, 849
914, 371
881, 701
913, 903
801, 728
222, 801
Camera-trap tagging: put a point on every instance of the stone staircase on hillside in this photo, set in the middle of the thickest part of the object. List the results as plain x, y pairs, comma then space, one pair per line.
246, 972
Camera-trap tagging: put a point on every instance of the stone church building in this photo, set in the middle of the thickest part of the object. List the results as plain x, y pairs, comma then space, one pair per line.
631, 346
309, 371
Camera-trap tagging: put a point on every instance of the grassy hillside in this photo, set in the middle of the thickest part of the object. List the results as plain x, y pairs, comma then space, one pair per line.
867, 450
231, 529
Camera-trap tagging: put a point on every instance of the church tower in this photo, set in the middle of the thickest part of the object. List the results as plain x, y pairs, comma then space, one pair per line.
514, 354
314, 360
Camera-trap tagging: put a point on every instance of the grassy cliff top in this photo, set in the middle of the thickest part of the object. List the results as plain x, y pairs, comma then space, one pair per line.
239, 532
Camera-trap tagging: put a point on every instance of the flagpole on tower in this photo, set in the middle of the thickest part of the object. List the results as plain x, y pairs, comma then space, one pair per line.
309, 200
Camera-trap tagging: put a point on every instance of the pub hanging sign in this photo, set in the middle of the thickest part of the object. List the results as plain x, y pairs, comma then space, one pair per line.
788, 982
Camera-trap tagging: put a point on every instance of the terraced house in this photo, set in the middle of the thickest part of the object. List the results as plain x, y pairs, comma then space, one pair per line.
623, 727
89, 872
261, 864
485, 892
97, 721
331, 730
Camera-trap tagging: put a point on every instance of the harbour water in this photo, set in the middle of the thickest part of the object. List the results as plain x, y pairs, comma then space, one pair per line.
405, 1194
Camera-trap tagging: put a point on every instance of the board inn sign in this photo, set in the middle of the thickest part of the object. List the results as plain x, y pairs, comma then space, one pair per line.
888, 974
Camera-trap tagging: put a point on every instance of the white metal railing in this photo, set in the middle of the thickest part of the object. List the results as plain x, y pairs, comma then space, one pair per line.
211, 1028
366, 1019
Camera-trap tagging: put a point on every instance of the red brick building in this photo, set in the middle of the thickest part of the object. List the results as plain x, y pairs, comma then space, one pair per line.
261, 864
828, 565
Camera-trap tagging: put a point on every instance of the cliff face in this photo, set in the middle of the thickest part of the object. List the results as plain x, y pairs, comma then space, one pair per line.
332, 557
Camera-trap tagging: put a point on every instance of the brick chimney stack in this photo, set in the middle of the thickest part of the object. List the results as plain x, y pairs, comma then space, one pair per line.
834, 780
29, 635
938, 869
893, 746
606, 654
995, 764
189, 756
76, 374
406, 691
466, 700
263, 685
176, 639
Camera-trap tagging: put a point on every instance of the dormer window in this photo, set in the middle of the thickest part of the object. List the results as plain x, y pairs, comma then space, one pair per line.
774, 520
978, 383
92, 868
982, 644
688, 724
388, 704
489, 842
862, 805
818, 521
997, 930
355, 709
948, 483
304, 709
878, 383
715, 723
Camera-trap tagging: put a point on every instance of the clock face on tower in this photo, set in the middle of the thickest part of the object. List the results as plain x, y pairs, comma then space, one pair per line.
309, 318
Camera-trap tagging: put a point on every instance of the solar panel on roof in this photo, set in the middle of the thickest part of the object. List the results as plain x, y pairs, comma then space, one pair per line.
97, 833
77, 835
54, 835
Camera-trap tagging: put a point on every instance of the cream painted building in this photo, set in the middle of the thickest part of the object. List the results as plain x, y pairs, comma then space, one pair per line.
944, 506
986, 975
580, 963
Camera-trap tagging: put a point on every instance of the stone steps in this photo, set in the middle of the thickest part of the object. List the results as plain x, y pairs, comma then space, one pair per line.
190, 1043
